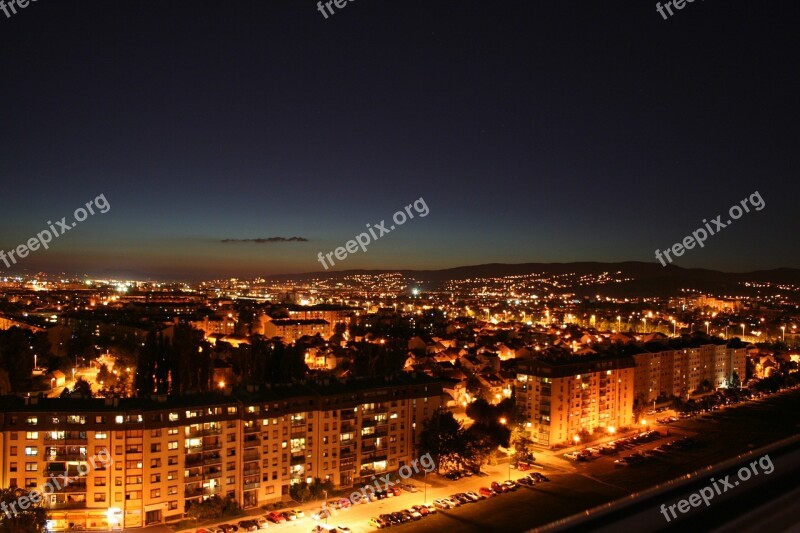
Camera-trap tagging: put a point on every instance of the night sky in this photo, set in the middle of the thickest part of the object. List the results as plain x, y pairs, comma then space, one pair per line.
534, 131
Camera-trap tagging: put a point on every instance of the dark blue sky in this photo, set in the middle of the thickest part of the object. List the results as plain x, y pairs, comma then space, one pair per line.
535, 131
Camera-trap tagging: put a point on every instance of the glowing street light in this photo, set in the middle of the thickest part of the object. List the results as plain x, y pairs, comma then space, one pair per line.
783, 333
707, 324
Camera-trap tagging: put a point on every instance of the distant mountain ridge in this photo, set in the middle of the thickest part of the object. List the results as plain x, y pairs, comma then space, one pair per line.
648, 279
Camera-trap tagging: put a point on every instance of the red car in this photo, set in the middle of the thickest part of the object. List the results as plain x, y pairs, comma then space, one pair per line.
421, 509
498, 487
396, 491
486, 491
276, 517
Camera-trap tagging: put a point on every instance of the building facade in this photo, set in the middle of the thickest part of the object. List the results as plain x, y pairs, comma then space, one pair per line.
562, 399
169, 453
679, 372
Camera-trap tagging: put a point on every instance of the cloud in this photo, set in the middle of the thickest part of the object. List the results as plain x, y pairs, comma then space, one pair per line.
267, 240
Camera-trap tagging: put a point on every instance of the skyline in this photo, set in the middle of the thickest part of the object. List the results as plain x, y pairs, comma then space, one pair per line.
244, 142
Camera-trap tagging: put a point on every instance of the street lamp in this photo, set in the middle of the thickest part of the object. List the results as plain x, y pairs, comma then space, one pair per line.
783, 333
503, 421
619, 323
707, 324
674, 328
325, 505
742, 331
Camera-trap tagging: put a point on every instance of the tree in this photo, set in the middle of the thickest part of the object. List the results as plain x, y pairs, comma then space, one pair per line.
300, 492
442, 437
82, 389
32, 519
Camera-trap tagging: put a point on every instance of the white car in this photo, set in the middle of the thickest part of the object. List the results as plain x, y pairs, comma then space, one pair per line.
451, 502
473, 496
442, 504
416, 515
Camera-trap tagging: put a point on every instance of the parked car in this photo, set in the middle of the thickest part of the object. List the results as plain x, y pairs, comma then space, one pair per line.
228, 528
422, 509
379, 523
442, 504
260, 522
526, 480
248, 525
395, 490
416, 515
498, 487
410, 488
510, 485
474, 496
540, 477
389, 518
451, 502
276, 517
431, 508
401, 518
487, 492
453, 474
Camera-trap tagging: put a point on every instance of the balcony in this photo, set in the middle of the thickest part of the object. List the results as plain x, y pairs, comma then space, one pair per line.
212, 459
209, 446
75, 486
252, 471
193, 493
348, 414
252, 429
249, 486
193, 478
250, 456
194, 459
251, 441
67, 505
67, 456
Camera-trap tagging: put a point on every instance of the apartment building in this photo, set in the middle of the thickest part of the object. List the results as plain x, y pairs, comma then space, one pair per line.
168, 453
291, 329
563, 397
680, 371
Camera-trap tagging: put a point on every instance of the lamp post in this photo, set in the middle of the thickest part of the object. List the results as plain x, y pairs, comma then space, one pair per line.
503, 422
743, 331
325, 504
674, 328
619, 323
425, 487
707, 325
783, 333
